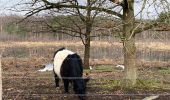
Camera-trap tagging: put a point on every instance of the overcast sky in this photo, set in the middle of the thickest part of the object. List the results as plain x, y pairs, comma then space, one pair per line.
147, 13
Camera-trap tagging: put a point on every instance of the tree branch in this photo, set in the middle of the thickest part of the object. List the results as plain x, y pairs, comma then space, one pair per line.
147, 27
92, 8
59, 5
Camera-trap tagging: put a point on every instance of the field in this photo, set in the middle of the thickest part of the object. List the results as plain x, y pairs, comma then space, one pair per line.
22, 81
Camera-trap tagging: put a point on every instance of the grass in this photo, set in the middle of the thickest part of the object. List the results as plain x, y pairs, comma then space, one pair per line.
104, 68
140, 45
105, 77
153, 45
112, 81
142, 84
164, 70
104, 81
100, 68
148, 83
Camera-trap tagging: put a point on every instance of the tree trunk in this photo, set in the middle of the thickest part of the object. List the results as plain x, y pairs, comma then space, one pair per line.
0, 77
129, 48
87, 53
87, 45
87, 36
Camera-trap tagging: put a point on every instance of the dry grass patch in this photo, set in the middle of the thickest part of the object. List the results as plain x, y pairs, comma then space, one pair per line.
39, 44
140, 45
153, 45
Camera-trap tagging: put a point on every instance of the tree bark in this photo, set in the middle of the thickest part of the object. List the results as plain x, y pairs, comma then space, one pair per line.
129, 48
0, 77
87, 53
87, 36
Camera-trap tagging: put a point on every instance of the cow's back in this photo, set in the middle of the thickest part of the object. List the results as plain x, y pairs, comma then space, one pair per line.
72, 66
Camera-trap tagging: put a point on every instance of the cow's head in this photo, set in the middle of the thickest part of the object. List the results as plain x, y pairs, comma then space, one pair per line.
80, 87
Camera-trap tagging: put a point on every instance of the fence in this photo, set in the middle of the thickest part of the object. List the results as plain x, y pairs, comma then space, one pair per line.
21, 60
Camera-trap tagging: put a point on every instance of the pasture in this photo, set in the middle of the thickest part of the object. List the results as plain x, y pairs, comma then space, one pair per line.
22, 81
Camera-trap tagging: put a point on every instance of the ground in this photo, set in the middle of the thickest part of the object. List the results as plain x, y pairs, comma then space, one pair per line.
24, 82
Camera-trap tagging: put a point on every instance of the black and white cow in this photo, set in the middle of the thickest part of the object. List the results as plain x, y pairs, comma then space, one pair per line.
68, 67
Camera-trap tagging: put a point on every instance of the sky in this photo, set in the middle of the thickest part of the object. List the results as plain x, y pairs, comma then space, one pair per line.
5, 5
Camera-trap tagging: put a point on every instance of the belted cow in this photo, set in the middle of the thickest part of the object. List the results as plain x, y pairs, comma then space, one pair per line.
68, 67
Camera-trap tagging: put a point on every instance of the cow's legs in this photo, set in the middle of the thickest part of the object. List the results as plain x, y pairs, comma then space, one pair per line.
66, 85
56, 80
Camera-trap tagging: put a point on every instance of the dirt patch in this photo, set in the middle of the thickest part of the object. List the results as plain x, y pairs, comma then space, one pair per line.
22, 81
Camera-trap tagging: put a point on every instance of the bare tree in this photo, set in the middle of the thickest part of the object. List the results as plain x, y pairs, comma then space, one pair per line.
86, 14
130, 28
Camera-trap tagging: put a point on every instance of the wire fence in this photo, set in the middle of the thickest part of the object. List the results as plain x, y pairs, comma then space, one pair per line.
21, 62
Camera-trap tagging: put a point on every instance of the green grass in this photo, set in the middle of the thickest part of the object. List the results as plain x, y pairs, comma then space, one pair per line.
149, 82
104, 68
112, 84
164, 70
101, 68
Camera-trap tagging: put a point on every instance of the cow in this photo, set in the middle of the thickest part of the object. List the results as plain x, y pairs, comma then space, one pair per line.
69, 68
